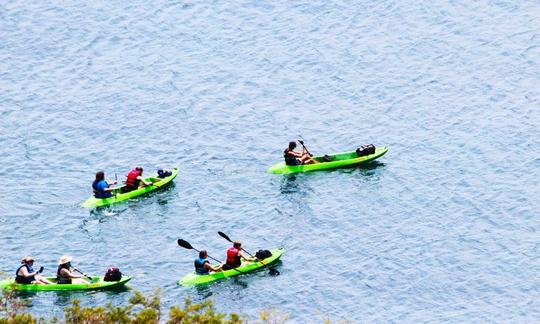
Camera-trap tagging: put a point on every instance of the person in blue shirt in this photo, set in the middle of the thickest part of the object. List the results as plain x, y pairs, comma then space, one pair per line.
203, 266
101, 188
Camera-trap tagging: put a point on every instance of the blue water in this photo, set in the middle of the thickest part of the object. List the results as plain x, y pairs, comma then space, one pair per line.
444, 227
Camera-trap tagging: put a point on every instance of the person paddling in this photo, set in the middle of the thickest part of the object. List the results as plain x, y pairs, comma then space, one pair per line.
203, 266
134, 179
235, 254
102, 189
66, 274
297, 158
25, 274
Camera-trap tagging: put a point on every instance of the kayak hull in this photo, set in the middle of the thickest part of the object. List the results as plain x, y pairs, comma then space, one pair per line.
338, 160
193, 279
117, 197
97, 283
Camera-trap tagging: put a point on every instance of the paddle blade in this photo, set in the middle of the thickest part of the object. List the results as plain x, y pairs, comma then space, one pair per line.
185, 244
301, 142
224, 236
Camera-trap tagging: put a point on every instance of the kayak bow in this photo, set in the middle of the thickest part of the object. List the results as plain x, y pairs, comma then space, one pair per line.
118, 196
195, 279
337, 160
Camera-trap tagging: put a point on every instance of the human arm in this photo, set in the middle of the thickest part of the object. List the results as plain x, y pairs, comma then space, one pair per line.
143, 180
105, 186
109, 188
24, 272
295, 154
245, 256
210, 267
70, 273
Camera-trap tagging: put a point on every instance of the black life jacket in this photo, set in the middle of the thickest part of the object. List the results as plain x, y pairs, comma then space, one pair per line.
24, 280
61, 277
289, 159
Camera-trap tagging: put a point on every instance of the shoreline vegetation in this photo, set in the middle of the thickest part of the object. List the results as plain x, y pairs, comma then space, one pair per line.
140, 309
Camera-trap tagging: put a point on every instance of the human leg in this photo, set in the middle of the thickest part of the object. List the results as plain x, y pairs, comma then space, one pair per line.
42, 280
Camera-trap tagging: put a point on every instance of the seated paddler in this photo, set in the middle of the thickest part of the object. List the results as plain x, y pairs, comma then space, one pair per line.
203, 266
26, 274
235, 254
297, 158
102, 189
134, 180
67, 274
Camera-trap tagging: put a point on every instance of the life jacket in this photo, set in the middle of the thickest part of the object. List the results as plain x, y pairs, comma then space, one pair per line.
289, 159
233, 259
132, 180
99, 193
24, 280
62, 278
200, 269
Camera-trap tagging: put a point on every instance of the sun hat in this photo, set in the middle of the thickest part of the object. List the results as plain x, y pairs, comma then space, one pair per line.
65, 259
27, 259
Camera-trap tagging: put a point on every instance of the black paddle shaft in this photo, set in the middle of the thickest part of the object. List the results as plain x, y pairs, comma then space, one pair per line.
305, 148
185, 244
228, 239
84, 274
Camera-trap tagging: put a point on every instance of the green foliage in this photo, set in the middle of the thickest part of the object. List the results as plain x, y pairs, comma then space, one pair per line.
200, 313
10, 305
273, 317
140, 310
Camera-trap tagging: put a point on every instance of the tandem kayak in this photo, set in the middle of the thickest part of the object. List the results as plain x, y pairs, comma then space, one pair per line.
195, 279
97, 283
337, 160
118, 196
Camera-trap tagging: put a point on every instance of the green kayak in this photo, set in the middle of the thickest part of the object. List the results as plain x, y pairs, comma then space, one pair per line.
118, 196
97, 283
337, 160
195, 279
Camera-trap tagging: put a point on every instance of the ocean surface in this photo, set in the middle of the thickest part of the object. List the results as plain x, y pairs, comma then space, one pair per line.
444, 228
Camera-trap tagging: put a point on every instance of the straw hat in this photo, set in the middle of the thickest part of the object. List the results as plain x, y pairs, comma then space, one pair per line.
65, 259
27, 259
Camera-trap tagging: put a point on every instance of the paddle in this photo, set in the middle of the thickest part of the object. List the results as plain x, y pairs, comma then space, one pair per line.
115, 180
305, 148
84, 274
228, 239
185, 244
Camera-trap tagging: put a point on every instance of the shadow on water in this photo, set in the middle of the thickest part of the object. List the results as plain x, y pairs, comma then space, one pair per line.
364, 169
162, 197
293, 183
64, 298
242, 281
288, 184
